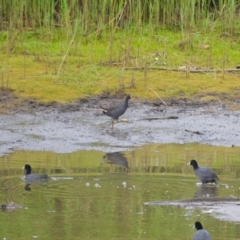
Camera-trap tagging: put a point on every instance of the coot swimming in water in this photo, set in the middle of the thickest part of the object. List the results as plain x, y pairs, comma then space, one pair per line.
31, 177
205, 174
117, 111
201, 234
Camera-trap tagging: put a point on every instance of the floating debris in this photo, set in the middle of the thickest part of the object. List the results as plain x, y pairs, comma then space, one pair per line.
10, 206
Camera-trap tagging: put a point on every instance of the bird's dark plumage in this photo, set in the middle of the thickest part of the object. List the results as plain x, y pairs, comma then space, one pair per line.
117, 111
205, 174
116, 158
31, 177
201, 234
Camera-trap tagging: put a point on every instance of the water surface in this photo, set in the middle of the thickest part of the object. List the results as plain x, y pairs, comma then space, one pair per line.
91, 196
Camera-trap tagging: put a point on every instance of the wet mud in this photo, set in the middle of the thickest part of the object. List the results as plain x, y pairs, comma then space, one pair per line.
30, 125
227, 209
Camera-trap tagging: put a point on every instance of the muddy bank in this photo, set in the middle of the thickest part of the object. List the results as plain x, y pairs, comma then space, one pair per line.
227, 209
30, 125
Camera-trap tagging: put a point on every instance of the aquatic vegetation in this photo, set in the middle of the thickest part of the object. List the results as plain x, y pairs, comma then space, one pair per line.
57, 51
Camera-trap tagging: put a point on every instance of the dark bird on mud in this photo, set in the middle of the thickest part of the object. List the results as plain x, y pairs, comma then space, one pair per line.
117, 111
31, 177
201, 234
205, 174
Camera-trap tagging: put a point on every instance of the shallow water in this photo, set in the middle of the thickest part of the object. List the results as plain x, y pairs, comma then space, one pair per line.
89, 197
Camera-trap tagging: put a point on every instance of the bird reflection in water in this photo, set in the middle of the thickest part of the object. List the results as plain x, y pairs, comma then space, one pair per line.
116, 158
206, 191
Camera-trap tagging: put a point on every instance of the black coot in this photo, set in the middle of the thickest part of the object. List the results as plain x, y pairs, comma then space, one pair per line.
117, 111
205, 174
31, 177
201, 234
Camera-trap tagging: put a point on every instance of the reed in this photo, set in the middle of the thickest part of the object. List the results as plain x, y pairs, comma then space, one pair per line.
95, 15
82, 42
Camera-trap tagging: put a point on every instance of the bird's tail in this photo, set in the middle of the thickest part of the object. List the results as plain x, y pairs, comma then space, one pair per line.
104, 110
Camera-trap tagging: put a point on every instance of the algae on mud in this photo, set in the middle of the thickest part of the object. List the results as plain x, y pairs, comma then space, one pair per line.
36, 68
57, 51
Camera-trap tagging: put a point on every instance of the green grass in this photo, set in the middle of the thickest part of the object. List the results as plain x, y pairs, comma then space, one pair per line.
43, 64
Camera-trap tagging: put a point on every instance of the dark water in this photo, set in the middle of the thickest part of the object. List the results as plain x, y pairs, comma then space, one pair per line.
91, 197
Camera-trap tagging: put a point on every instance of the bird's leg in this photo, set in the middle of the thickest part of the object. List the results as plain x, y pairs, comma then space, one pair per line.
112, 124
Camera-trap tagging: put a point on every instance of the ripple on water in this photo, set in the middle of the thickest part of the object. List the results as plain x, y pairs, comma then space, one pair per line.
106, 199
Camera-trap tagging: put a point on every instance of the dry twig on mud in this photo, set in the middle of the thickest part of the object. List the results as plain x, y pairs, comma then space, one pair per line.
155, 118
150, 89
195, 132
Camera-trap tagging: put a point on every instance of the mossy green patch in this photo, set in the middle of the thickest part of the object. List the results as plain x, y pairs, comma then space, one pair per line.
51, 66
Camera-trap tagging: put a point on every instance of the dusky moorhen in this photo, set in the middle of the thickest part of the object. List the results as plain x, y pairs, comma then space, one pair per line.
117, 111
205, 174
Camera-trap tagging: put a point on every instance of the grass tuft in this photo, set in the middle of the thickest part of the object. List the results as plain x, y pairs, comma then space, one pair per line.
64, 50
